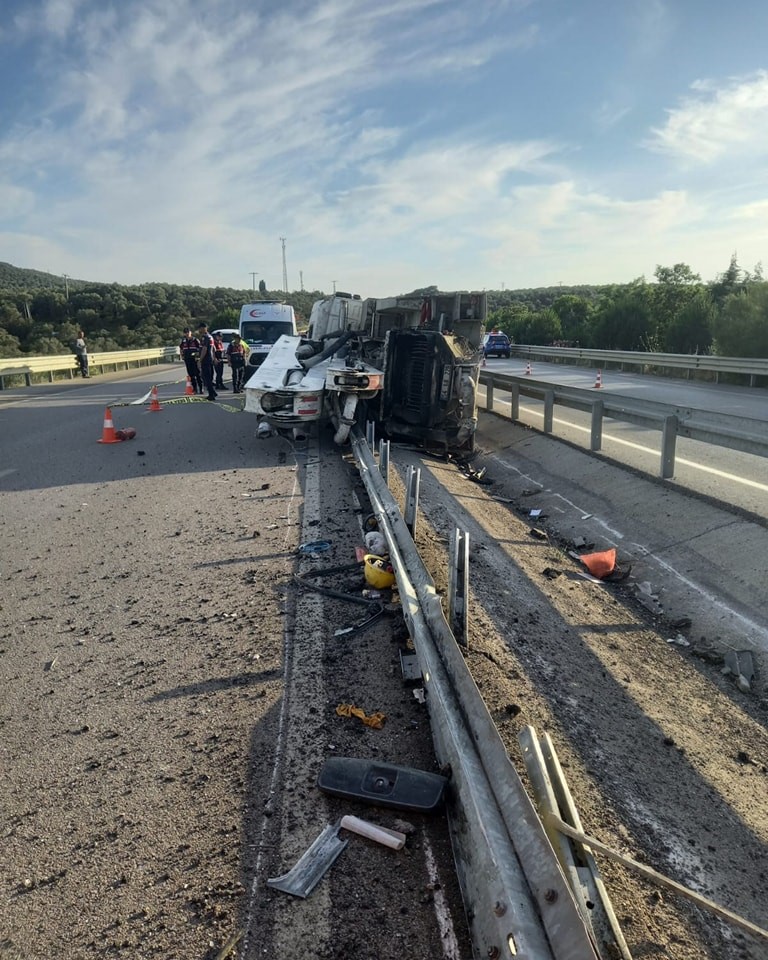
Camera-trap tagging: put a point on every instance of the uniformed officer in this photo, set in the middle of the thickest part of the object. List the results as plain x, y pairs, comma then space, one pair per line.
190, 353
207, 351
236, 353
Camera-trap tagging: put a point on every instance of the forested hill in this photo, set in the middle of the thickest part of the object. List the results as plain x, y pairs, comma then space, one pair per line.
30, 281
40, 313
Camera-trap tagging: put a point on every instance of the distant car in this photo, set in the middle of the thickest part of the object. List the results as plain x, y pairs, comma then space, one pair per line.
497, 345
226, 334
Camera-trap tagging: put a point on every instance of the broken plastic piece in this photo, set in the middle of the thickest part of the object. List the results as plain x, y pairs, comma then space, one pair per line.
305, 874
382, 784
600, 564
316, 546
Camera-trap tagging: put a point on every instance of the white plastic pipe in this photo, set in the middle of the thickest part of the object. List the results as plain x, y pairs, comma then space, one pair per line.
383, 835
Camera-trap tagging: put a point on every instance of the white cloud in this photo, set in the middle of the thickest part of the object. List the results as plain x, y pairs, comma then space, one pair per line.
58, 15
14, 200
716, 122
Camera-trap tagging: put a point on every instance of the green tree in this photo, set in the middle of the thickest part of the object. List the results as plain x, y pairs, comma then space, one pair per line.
690, 330
675, 288
9, 345
727, 283
741, 327
543, 327
623, 322
574, 313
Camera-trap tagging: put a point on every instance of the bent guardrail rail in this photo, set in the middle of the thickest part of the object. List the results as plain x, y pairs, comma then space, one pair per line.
517, 900
33, 369
723, 430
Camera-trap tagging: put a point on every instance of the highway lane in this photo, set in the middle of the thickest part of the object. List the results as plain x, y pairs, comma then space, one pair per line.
167, 697
723, 398
725, 475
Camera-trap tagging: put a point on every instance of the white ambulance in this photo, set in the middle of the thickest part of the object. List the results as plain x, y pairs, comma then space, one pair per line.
261, 326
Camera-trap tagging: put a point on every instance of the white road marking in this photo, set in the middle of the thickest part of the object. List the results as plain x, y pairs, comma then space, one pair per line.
280, 745
648, 554
7, 473
657, 453
510, 466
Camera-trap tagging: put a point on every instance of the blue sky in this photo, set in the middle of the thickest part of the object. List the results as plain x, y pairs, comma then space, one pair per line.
465, 143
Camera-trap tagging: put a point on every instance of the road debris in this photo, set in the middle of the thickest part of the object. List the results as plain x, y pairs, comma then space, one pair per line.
375, 720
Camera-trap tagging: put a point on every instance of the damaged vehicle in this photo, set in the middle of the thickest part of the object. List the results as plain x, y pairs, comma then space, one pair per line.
410, 364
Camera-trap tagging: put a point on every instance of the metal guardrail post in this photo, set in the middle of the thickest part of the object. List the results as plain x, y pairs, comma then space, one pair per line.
596, 434
370, 434
549, 410
514, 402
668, 444
458, 585
384, 460
412, 499
489, 397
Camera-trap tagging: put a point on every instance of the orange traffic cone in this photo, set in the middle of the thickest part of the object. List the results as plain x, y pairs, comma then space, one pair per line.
528, 369
108, 434
190, 390
155, 405
598, 380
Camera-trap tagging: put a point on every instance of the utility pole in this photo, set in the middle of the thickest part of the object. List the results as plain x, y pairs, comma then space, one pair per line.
285, 269
254, 275
334, 286
301, 280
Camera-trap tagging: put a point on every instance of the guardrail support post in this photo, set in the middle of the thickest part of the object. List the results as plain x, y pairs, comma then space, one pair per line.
549, 410
384, 460
489, 397
668, 442
596, 437
370, 434
412, 500
458, 585
514, 402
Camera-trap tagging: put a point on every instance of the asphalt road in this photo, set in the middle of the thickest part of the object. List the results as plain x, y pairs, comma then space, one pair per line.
725, 475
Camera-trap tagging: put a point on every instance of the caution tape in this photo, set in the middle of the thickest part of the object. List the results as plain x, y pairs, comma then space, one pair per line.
227, 407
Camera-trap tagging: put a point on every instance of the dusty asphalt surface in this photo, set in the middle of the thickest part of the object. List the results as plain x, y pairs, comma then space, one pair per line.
169, 696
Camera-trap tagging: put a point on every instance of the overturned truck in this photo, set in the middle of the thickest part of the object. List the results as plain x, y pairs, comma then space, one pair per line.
410, 364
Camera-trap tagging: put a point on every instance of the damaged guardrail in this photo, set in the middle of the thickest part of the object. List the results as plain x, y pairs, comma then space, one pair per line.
517, 900
724, 430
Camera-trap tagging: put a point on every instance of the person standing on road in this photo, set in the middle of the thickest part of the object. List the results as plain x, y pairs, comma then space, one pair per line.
218, 361
236, 355
207, 348
190, 353
81, 352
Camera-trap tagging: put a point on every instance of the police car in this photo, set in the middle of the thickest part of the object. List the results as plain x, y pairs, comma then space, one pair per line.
497, 345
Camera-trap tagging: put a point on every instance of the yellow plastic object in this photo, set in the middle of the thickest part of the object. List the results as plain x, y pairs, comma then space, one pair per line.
378, 573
